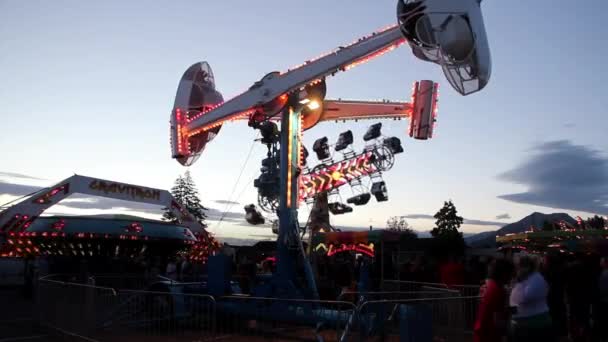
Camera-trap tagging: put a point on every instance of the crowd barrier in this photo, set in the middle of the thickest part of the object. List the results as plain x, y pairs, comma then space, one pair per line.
96, 313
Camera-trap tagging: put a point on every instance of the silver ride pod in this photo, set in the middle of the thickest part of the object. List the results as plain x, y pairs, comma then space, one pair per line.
196, 94
451, 34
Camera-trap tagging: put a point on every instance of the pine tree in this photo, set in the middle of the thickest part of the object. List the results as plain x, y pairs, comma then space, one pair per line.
184, 191
448, 222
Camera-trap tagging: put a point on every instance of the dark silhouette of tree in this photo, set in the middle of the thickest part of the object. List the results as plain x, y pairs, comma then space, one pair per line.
448, 240
184, 191
548, 226
596, 222
400, 225
447, 222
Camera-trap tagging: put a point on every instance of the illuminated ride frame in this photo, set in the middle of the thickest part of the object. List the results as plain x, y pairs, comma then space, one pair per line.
15, 220
448, 33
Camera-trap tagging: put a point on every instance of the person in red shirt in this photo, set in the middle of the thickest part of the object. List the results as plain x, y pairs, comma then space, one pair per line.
452, 273
491, 321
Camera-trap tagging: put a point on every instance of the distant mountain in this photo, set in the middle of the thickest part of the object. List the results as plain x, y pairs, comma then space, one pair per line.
488, 239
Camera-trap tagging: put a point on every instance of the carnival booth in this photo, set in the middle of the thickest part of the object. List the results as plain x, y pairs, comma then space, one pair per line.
342, 259
563, 241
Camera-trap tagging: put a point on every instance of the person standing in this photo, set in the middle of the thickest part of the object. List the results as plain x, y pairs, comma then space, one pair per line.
553, 270
531, 320
601, 313
492, 314
171, 270
452, 272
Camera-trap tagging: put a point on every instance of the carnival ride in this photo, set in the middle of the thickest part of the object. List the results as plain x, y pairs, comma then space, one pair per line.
448, 33
21, 235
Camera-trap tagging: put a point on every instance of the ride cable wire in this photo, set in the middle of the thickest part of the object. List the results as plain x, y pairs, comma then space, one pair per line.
230, 204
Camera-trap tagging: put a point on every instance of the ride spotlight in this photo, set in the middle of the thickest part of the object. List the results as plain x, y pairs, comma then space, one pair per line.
270, 132
345, 139
321, 148
361, 199
313, 104
373, 132
269, 162
338, 208
393, 144
305, 155
379, 191
253, 216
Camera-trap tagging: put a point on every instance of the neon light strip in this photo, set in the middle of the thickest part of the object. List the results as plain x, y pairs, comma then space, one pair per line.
219, 123
359, 248
374, 55
382, 30
289, 156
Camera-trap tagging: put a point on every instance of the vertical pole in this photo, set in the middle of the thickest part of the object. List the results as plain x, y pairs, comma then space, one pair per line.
288, 201
287, 220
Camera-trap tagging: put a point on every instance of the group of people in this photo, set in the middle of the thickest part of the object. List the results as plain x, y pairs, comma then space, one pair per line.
552, 298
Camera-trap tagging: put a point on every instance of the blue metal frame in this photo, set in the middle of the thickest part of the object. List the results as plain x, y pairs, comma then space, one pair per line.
289, 245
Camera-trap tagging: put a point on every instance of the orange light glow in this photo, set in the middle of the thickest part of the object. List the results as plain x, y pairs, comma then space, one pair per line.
336, 50
374, 55
289, 161
314, 104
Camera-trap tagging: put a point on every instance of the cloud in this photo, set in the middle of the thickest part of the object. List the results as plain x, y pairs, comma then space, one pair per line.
17, 175
465, 220
216, 214
562, 175
419, 216
504, 216
483, 223
226, 202
569, 125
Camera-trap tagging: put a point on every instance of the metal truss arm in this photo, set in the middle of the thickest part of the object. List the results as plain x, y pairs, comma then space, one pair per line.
275, 84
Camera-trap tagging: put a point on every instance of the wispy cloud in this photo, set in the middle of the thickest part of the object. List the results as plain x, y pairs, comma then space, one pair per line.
560, 174
18, 175
504, 216
465, 220
483, 222
419, 216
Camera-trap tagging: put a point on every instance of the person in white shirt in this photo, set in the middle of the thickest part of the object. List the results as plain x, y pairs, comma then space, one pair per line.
531, 320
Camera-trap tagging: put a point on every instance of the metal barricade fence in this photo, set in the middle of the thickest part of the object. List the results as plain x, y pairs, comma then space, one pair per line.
359, 297
103, 314
158, 315
410, 286
419, 320
96, 313
259, 318
72, 308
128, 281
467, 290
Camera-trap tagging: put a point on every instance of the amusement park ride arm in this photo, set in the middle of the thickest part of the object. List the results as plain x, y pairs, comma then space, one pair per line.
274, 85
448, 33
21, 215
